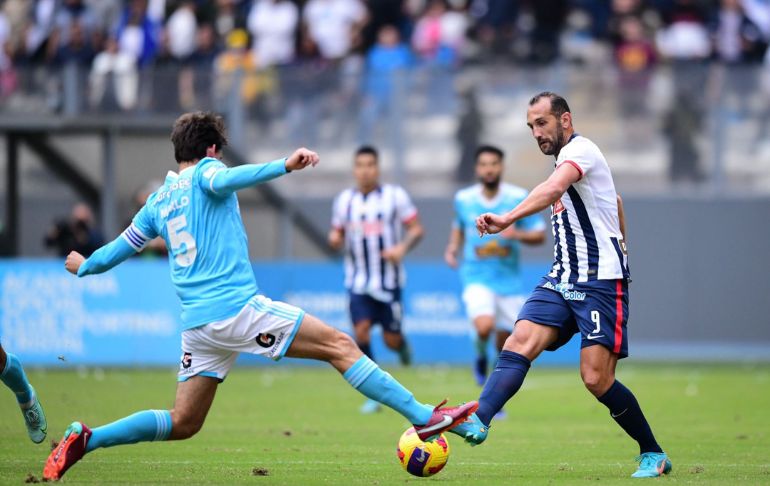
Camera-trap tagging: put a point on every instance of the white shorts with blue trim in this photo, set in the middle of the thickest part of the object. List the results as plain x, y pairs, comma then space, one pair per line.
265, 327
480, 300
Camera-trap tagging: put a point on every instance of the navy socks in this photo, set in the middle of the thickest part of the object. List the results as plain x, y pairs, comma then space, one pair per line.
502, 384
626, 411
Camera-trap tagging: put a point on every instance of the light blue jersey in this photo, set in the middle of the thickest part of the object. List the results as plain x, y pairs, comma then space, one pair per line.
196, 212
494, 259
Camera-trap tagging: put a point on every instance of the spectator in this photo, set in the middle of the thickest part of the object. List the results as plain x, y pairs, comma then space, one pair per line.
387, 64
439, 34
237, 63
382, 13
77, 233
137, 34
116, 71
7, 74
181, 30
273, 26
496, 24
736, 37
334, 25
39, 30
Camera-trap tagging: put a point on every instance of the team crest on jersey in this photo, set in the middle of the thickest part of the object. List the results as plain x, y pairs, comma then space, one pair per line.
186, 360
493, 249
557, 207
265, 340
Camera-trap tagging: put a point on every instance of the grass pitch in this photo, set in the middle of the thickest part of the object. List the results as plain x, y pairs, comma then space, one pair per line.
294, 425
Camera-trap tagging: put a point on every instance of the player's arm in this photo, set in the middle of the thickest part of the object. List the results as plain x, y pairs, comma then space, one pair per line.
336, 238
528, 237
131, 241
225, 180
541, 197
622, 218
414, 233
456, 241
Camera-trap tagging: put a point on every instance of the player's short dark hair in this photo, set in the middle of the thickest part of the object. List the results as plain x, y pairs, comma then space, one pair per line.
559, 105
194, 132
489, 149
368, 150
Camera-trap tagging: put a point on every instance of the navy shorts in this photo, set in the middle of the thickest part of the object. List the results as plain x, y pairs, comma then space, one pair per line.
598, 310
364, 307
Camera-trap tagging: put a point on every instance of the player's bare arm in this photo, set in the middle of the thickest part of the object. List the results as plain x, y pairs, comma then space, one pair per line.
456, 241
622, 218
528, 237
336, 238
414, 233
73, 262
541, 197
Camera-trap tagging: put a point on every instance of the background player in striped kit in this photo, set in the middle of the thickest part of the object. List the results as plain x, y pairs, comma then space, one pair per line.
369, 222
490, 274
586, 290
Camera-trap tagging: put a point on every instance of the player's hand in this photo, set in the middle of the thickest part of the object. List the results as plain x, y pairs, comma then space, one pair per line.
491, 223
450, 258
73, 262
302, 158
336, 239
394, 254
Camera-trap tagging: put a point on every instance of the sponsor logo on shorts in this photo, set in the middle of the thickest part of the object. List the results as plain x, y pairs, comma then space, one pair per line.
265, 340
186, 360
277, 345
566, 291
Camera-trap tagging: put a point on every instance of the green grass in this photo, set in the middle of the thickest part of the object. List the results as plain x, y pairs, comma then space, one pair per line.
302, 425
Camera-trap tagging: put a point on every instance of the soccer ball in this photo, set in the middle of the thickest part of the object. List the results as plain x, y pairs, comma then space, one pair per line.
422, 458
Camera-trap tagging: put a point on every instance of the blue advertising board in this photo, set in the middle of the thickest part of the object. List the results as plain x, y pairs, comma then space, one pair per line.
130, 315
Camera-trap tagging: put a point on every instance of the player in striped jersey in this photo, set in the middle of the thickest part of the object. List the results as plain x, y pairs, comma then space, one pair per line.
369, 221
223, 313
586, 291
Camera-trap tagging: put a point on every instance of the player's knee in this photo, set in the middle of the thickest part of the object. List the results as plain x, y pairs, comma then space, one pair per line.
184, 425
596, 381
393, 341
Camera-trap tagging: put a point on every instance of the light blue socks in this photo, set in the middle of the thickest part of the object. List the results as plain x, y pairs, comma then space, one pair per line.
14, 378
144, 426
369, 379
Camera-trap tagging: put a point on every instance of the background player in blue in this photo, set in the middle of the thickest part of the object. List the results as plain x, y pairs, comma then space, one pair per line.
196, 212
492, 289
369, 222
586, 290
13, 376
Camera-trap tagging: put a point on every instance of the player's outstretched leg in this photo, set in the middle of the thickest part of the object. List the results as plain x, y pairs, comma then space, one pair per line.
316, 340
193, 400
524, 345
12, 374
597, 368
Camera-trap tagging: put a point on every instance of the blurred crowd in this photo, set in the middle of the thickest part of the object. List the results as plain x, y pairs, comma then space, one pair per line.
115, 41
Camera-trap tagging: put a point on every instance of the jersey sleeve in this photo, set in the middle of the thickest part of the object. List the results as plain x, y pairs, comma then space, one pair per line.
216, 179
407, 211
577, 156
339, 210
141, 230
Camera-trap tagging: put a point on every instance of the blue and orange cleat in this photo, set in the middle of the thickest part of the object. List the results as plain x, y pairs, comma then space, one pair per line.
444, 419
652, 465
69, 451
472, 430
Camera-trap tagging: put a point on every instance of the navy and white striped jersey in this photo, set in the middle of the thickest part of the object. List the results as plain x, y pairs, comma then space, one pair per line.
372, 223
588, 244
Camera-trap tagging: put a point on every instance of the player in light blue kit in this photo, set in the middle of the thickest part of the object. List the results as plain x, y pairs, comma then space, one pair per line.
490, 273
196, 213
13, 376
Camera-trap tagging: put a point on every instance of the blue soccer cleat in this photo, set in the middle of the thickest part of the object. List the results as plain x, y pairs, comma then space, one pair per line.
34, 419
370, 406
472, 430
652, 465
